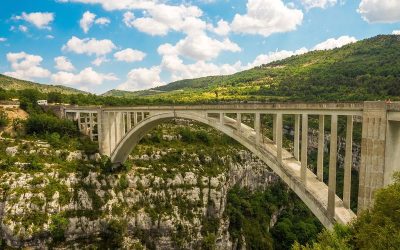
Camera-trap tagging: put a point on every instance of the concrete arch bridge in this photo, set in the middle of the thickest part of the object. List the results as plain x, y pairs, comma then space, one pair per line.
119, 129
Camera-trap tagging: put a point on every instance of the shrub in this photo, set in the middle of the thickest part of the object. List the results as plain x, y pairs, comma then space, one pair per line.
57, 227
3, 119
113, 233
45, 123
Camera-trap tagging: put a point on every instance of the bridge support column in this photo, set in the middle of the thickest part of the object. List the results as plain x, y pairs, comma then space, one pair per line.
348, 162
297, 137
279, 137
321, 146
332, 167
274, 128
373, 147
104, 133
257, 125
221, 118
238, 121
129, 121
304, 148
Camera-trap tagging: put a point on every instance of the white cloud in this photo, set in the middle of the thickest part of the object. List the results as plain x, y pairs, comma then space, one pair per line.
23, 28
309, 4
380, 11
102, 21
265, 17
162, 18
3, 39
89, 18
117, 5
396, 32
222, 29
275, 56
40, 20
87, 21
142, 78
87, 77
333, 43
63, 64
129, 55
26, 66
199, 47
178, 70
50, 37
89, 46
99, 61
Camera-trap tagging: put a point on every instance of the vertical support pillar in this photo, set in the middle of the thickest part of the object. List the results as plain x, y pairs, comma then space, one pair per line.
279, 137
91, 126
274, 128
112, 127
332, 167
297, 137
348, 162
304, 147
221, 118
129, 121
238, 121
257, 127
103, 132
373, 149
135, 120
117, 122
321, 146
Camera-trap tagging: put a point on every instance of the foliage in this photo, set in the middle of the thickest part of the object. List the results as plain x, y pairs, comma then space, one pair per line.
113, 234
250, 214
45, 123
58, 226
3, 119
377, 228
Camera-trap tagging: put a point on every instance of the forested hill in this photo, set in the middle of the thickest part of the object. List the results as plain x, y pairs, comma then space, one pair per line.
10, 83
366, 70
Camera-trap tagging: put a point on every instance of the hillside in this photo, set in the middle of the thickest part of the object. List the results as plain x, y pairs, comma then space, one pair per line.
366, 70
9, 83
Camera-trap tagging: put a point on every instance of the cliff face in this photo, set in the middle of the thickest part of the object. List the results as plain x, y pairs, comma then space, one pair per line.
165, 198
171, 193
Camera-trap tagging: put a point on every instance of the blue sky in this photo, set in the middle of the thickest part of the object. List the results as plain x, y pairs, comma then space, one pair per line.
98, 45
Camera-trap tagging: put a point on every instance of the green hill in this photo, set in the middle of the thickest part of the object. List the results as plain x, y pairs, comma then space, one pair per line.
366, 70
9, 83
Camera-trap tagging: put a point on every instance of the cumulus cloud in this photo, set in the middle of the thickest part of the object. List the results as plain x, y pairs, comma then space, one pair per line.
309, 4
333, 43
142, 78
102, 21
23, 28
3, 39
275, 56
396, 32
222, 29
89, 18
117, 5
161, 18
26, 66
99, 61
40, 20
265, 17
87, 77
89, 46
199, 47
129, 55
380, 11
63, 64
178, 70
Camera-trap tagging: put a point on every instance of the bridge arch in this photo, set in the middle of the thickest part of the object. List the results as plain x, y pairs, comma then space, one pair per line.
314, 194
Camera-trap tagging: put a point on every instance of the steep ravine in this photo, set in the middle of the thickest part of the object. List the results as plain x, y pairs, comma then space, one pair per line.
171, 194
